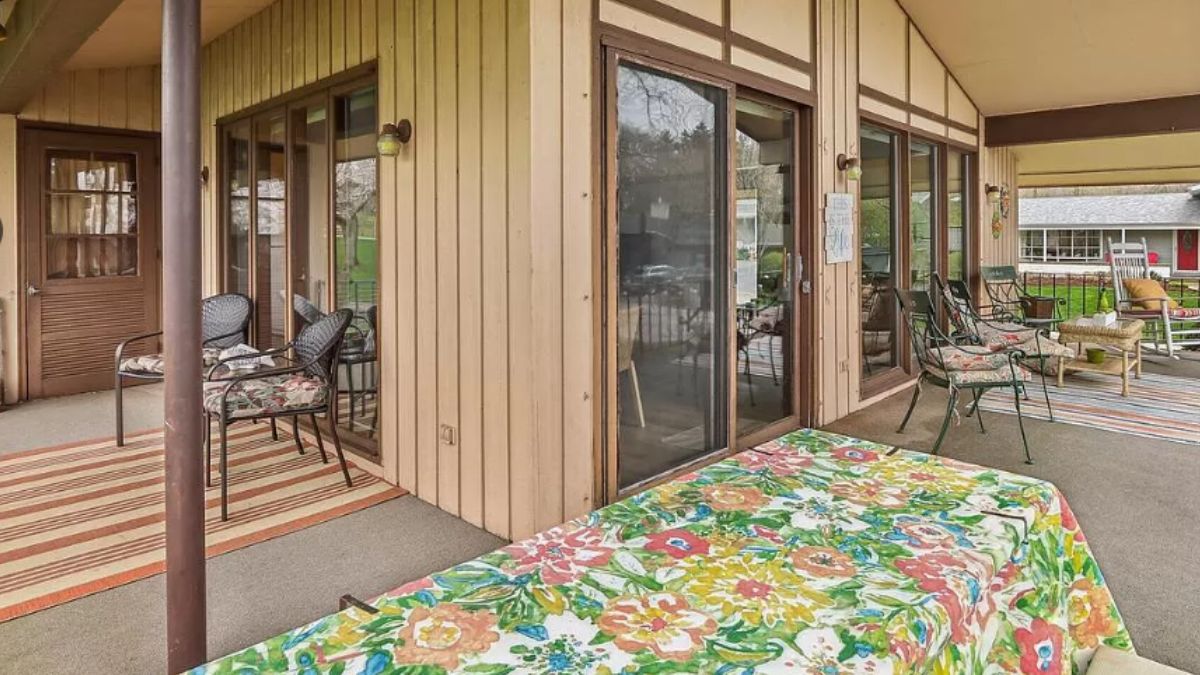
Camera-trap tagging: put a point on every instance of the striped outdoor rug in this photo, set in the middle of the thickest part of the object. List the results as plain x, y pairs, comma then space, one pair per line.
1158, 406
86, 517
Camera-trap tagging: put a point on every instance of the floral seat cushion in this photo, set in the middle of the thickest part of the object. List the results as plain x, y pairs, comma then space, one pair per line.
970, 357
1045, 348
969, 377
155, 364
998, 336
267, 395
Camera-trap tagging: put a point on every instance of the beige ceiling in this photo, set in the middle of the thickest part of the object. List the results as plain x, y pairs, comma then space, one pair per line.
131, 34
1164, 158
1024, 55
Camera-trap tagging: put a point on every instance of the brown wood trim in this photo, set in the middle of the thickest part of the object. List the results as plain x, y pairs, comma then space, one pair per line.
727, 24
647, 47
347, 76
1108, 120
767, 51
661, 10
895, 102
881, 382
876, 119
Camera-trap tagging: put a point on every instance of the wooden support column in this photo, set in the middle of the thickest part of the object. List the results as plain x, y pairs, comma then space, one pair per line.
186, 611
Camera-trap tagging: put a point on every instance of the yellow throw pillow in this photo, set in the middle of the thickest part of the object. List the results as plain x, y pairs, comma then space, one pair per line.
1148, 294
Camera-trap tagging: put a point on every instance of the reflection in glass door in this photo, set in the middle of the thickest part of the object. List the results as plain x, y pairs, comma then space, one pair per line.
270, 250
958, 168
671, 226
879, 218
765, 188
923, 208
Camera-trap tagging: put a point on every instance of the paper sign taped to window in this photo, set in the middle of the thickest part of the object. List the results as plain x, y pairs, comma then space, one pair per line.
839, 227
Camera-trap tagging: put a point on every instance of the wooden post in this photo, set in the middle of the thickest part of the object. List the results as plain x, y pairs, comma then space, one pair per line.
186, 611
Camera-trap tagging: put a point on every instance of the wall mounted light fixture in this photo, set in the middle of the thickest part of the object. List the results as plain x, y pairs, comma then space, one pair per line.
392, 136
992, 192
850, 165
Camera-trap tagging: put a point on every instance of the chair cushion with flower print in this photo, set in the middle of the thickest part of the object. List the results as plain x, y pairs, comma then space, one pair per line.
998, 336
272, 394
155, 364
995, 375
967, 358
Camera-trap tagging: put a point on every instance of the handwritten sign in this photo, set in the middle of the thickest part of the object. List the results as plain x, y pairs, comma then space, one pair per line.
839, 227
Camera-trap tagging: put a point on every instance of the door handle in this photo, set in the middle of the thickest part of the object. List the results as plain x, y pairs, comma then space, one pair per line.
32, 290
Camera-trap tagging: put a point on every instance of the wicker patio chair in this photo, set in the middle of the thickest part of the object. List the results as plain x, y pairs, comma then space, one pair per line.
1012, 301
957, 368
224, 320
972, 329
361, 348
306, 388
1179, 326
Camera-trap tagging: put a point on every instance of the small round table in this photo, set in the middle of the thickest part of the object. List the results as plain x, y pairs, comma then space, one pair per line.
1125, 336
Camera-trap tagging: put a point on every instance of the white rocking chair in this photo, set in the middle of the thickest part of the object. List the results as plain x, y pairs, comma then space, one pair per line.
1180, 326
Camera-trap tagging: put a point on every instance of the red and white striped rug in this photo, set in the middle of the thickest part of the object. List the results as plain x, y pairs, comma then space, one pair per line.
86, 517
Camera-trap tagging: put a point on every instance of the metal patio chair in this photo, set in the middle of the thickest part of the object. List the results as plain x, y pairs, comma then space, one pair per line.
957, 368
1012, 301
1179, 326
224, 322
360, 349
307, 387
972, 329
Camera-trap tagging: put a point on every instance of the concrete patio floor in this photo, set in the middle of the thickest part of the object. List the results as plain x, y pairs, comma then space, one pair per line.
1136, 498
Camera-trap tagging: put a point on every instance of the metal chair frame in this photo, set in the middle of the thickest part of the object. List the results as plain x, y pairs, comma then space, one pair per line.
930, 345
220, 326
1012, 301
315, 349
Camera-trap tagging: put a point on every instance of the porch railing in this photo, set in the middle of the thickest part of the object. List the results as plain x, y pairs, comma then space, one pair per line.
1083, 291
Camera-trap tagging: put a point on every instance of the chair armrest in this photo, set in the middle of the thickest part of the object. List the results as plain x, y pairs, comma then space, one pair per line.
125, 343
266, 352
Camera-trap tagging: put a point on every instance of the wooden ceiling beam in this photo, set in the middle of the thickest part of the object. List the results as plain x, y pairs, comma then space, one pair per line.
1109, 120
42, 35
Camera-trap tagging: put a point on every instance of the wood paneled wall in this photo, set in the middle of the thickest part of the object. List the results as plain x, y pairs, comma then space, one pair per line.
10, 356
117, 98
485, 235
998, 166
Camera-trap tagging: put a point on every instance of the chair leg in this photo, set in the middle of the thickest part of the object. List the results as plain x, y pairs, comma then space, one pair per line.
350, 384
320, 442
637, 394
117, 393
1021, 425
207, 449
274, 430
224, 468
912, 404
1046, 390
978, 412
771, 356
937, 445
337, 445
296, 433
749, 379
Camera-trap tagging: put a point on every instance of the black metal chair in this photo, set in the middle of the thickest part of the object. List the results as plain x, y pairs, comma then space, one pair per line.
1012, 301
306, 388
972, 329
361, 349
224, 322
957, 368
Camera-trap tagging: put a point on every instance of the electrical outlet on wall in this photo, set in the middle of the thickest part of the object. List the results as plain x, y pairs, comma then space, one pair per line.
447, 434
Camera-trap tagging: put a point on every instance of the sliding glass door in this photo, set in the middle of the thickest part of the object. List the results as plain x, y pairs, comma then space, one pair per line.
701, 212
880, 225
923, 207
958, 213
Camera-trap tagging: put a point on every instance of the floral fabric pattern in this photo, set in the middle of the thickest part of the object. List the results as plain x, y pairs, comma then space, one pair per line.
997, 376
970, 357
272, 394
815, 553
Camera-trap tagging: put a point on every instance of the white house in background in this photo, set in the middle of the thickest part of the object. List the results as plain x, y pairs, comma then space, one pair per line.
1063, 230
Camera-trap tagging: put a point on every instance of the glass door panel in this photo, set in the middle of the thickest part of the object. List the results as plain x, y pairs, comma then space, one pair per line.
764, 189
237, 203
356, 256
923, 209
879, 216
671, 271
308, 213
957, 179
270, 249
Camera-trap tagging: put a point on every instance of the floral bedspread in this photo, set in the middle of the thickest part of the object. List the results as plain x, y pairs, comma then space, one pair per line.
814, 553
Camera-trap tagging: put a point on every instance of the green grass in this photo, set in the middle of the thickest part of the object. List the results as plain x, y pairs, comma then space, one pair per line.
1084, 301
366, 270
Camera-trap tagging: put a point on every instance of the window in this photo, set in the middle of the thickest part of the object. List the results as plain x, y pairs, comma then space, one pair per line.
958, 215
300, 189
91, 215
923, 208
880, 222
1061, 246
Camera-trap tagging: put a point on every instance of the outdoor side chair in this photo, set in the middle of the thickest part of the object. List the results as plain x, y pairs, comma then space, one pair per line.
958, 368
306, 388
972, 329
360, 349
224, 322
1012, 301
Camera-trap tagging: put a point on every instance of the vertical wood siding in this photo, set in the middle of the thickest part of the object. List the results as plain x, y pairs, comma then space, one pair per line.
484, 234
117, 98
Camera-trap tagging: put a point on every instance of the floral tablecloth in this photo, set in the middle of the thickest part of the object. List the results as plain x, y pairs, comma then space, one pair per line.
814, 553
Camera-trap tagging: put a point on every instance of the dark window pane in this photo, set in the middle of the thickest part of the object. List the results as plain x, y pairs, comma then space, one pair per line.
237, 222
270, 303
878, 217
923, 207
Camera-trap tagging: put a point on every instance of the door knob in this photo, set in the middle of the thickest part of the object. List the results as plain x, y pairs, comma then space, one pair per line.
32, 290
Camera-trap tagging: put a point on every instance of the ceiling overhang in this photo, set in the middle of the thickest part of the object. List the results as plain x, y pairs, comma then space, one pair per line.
1159, 158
